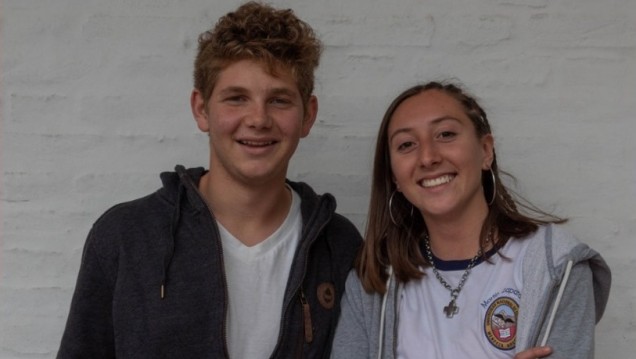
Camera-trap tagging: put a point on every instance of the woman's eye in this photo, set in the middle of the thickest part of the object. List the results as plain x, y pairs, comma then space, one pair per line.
447, 134
405, 146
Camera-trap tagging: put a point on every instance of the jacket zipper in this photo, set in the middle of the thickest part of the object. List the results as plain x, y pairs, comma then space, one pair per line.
299, 287
309, 333
217, 237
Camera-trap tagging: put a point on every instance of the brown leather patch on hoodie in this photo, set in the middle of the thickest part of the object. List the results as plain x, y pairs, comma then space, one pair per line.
326, 295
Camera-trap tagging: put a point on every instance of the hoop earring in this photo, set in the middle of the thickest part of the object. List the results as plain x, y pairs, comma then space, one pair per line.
494, 187
391, 209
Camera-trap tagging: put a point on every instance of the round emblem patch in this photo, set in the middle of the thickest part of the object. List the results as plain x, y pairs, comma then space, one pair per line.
500, 323
326, 295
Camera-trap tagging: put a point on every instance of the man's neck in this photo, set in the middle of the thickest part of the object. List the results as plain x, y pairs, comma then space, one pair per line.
251, 213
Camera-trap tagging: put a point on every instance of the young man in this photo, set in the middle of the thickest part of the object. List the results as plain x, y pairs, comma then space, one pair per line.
236, 261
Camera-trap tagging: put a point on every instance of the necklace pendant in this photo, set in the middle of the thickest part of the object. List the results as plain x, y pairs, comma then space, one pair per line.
451, 309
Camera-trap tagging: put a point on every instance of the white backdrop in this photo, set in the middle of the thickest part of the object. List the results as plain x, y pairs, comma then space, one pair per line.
95, 104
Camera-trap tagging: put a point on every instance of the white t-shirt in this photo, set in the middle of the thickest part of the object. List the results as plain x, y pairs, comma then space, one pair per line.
484, 327
256, 279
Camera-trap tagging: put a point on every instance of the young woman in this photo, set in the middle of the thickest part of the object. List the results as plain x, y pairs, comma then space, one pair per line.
450, 267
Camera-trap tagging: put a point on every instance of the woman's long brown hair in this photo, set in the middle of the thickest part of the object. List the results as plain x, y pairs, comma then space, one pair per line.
398, 244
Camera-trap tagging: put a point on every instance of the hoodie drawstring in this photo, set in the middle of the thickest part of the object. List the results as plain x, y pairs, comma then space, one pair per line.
383, 312
174, 226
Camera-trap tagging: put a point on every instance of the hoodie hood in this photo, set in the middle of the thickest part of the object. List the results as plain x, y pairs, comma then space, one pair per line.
180, 190
177, 187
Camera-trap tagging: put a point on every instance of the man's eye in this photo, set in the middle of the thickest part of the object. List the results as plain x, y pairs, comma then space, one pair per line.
235, 99
280, 101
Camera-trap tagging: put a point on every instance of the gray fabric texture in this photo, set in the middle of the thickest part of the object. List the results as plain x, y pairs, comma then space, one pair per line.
572, 334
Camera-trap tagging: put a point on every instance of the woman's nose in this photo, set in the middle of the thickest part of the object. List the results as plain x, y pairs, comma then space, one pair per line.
429, 155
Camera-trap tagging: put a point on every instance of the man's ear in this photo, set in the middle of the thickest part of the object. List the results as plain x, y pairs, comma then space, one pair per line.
311, 112
198, 106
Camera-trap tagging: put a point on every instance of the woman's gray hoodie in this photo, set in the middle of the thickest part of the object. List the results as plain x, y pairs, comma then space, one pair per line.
544, 264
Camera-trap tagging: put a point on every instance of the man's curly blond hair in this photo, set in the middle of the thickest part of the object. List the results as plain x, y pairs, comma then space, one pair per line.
259, 32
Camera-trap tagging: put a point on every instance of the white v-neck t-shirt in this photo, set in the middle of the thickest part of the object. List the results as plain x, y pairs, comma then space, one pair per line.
256, 280
484, 327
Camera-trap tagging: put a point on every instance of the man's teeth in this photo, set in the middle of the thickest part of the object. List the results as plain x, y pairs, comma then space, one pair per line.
257, 143
437, 181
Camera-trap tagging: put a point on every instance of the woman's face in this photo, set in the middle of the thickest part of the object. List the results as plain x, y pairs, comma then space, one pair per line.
436, 156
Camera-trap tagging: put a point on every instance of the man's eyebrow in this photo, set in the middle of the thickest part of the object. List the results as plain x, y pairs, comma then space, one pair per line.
282, 91
232, 90
272, 91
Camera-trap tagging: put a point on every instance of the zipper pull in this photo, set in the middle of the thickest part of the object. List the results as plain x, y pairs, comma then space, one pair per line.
309, 333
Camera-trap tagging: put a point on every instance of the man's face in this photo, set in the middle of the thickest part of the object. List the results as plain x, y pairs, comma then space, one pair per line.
254, 121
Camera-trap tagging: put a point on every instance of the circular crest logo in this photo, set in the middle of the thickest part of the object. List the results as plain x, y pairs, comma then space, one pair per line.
500, 323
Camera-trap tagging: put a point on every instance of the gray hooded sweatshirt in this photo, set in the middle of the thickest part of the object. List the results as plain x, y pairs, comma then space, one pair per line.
572, 332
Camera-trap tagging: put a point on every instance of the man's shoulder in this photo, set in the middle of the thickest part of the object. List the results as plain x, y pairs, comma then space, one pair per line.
142, 206
341, 224
135, 215
342, 236
336, 228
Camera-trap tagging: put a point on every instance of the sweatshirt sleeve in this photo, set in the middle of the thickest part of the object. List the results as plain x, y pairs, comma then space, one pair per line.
351, 339
572, 333
89, 327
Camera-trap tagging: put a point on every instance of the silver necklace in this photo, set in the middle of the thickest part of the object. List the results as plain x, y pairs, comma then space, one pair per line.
451, 309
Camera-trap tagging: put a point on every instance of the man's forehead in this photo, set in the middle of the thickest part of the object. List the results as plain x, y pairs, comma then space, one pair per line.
249, 75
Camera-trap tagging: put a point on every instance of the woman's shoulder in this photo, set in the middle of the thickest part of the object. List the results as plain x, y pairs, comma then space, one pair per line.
354, 289
552, 237
554, 245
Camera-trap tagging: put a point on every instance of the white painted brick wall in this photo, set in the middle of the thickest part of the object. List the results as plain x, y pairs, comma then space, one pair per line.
95, 103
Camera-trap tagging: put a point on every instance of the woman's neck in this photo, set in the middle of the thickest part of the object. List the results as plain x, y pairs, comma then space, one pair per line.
456, 240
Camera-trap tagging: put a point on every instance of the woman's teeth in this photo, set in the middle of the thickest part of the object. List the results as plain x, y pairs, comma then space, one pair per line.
437, 181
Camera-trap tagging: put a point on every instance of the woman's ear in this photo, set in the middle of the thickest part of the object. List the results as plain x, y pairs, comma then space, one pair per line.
397, 185
488, 148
